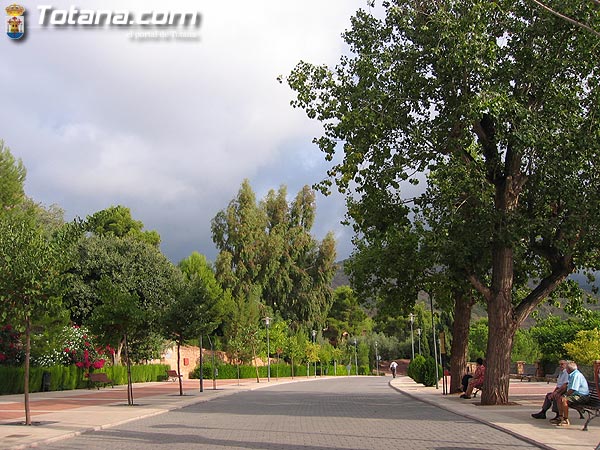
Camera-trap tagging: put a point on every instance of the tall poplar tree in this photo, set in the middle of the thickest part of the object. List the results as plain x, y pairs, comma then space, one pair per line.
505, 90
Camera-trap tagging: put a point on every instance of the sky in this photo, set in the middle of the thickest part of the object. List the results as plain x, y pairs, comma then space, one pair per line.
169, 125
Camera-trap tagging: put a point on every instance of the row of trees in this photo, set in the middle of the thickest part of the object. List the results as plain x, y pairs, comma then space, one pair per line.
107, 273
495, 105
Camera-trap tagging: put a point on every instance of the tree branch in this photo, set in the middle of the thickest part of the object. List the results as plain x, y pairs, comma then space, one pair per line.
568, 19
542, 290
479, 286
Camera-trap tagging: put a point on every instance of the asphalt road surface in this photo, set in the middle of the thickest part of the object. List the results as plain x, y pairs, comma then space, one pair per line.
350, 413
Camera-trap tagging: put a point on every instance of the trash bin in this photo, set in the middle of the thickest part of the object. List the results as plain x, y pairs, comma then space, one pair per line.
46, 381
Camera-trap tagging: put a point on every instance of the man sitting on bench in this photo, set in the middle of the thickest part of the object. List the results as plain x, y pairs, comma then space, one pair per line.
477, 380
577, 393
552, 398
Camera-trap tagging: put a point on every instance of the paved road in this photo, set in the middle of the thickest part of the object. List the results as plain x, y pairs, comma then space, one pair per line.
344, 413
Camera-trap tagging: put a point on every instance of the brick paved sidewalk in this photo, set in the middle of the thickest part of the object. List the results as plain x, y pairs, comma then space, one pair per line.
525, 398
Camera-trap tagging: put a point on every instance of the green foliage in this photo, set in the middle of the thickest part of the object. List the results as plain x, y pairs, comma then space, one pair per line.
118, 314
133, 267
422, 370
478, 337
552, 333
416, 369
11, 353
230, 371
346, 315
242, 328
71, 377
117, 221
268, 246
12, 178
140, 373
200, 304
296, 348
585, 348
429, 375
525, 348
32, 265
46, 340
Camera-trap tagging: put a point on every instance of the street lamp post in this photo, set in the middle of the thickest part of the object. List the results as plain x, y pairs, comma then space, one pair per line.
376, 360
267, 323
419, 334
411, 317
356, 356
434, 342
314, 335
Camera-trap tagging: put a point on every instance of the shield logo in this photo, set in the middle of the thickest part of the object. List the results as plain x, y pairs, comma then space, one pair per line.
15, 21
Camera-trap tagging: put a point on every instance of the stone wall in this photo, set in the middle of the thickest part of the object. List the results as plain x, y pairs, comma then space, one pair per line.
190, 358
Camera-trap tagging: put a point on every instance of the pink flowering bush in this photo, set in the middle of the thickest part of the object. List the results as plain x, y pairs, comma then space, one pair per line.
80, 349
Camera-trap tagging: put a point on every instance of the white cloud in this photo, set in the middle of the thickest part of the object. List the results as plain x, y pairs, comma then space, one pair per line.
169, 128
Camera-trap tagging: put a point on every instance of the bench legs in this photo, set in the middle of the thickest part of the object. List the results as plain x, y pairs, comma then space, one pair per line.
591, 415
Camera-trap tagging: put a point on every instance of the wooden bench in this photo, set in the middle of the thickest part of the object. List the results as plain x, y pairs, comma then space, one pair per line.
527, 376
552, 377
100, 379
591, 408
172, 375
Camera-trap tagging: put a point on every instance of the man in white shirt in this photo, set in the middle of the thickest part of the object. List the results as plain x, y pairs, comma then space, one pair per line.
553, 397
393, 367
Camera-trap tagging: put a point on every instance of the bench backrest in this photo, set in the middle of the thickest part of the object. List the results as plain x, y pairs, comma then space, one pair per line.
172, 373
99, 377
593, 393
597, 378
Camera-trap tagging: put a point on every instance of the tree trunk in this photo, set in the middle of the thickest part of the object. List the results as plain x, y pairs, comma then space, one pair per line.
502, 328
463, 305
129, 381
179, 368
292, 359
119, 352
27, 365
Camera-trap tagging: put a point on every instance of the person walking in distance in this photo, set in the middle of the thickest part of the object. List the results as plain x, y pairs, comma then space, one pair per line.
393, 368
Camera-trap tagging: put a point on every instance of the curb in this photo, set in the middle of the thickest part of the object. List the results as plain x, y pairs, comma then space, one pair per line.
470, 417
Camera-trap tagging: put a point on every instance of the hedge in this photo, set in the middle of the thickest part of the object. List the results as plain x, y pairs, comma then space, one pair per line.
70, 377
230, 371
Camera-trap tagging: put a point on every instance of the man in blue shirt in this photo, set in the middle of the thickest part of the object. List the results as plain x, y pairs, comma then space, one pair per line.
577, 393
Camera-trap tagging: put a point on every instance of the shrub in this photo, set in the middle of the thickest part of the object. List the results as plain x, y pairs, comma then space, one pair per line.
585, 348
429, 375
416, 369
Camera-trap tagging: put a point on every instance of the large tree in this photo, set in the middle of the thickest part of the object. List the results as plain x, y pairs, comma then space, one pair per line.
117, 221
199, 306
33, 268
134, 268
501, 88
268, 245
